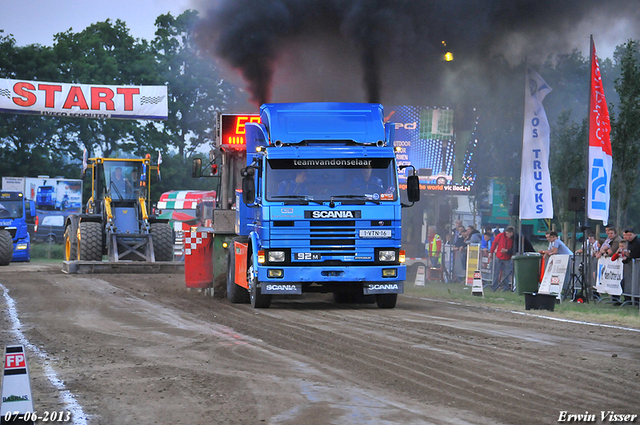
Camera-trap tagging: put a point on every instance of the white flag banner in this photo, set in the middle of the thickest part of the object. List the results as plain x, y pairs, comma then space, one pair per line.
600, 158
535, 181
83, 100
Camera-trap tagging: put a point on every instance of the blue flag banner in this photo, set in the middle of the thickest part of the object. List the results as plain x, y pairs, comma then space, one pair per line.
535, 180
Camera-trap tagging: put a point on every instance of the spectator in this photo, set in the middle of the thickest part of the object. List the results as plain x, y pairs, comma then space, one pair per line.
610, 245
487, 240
621, 253
502, 248
556, 246
633, 245
456, 232
472, 236
632, 252
458, 243
434, 247
592, 245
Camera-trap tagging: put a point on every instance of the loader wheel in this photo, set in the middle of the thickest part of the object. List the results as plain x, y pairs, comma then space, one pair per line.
162, 241
6, 248
235, 293
70, 245
90, 246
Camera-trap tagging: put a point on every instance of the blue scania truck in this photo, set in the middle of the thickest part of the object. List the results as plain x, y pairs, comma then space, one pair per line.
15, 241
319, 208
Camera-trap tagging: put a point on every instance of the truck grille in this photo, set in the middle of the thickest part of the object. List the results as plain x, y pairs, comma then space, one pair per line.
324, 237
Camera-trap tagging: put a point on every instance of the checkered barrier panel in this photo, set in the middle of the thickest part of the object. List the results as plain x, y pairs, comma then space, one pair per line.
192, 240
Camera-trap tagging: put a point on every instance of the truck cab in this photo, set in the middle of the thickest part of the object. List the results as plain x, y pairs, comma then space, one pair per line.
15, 242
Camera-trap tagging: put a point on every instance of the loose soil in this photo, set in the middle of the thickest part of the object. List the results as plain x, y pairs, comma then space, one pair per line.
141, 349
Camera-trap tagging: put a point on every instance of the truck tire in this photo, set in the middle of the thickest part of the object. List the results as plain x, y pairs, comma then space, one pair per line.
162, 241
70, 245
90, 246
6, 248
257, 299
386, 300
235, 293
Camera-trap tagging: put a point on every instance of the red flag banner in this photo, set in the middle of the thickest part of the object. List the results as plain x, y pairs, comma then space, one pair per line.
600, 159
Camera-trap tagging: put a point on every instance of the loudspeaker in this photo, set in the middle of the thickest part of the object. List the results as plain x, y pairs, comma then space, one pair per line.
576, 200
514, 204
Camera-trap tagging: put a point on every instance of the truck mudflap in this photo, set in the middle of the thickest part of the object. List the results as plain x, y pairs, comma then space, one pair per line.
281, 288
383, 288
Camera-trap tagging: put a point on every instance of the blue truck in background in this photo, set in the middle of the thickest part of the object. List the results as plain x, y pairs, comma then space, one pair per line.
320, 206
15, 241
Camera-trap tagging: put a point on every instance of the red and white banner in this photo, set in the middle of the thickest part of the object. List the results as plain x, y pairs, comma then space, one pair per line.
83, 100
600, 159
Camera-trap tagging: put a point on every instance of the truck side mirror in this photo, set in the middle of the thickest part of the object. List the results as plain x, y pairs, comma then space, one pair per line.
248, 185
196, 168
32, 208
413, 188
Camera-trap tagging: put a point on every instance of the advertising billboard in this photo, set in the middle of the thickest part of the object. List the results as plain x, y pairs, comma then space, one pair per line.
428, 141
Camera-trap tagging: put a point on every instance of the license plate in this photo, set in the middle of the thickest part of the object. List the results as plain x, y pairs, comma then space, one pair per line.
383, 233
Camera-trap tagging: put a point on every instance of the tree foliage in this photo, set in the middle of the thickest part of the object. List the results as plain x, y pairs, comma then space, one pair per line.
625, 128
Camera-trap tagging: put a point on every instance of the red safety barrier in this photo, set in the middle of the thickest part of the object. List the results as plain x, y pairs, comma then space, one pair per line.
198, 259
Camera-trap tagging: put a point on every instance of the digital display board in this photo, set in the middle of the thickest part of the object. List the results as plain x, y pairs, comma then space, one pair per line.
233, 131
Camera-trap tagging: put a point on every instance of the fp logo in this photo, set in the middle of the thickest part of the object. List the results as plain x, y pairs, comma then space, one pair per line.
12, 361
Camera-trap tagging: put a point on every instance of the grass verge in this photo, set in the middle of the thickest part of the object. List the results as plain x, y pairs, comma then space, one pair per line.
627, 316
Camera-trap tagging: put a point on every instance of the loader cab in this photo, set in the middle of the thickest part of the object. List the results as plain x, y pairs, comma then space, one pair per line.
121, 180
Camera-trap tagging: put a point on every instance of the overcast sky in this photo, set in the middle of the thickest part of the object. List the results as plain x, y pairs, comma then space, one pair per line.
36, 21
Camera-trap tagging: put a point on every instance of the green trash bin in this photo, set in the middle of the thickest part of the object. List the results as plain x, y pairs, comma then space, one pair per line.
526, 271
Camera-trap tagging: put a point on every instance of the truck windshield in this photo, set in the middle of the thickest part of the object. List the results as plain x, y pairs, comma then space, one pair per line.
11, 209
321, 179
122, 179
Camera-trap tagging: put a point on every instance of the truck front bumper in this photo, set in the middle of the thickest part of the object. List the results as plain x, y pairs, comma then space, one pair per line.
21, 251
332, 274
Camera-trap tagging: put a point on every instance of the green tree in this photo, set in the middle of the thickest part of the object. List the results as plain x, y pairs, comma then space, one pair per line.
567, 163
31, 145
105, 53
625, 128
196, 89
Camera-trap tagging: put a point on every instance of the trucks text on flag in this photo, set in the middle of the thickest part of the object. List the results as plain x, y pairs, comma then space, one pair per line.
535, 181
83, 100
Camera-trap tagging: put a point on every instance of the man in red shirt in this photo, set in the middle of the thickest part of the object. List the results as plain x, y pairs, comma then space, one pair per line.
503, 249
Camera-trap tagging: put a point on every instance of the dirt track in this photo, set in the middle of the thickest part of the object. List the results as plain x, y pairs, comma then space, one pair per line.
140, 349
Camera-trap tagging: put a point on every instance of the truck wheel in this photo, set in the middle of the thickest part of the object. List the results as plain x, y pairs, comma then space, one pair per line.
257, 299
90, 246
235, 293
386, 300
162, 241
70, 245
6, 248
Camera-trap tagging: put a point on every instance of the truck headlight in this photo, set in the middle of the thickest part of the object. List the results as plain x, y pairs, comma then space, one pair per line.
276, 256
21, 246
386, 256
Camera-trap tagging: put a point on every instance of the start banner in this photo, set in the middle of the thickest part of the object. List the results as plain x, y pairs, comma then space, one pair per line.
83, 100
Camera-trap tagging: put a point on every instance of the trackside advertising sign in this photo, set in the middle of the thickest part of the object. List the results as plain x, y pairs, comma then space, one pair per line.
83, 100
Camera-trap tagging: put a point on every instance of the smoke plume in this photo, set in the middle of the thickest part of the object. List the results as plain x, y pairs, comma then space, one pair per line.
392, 50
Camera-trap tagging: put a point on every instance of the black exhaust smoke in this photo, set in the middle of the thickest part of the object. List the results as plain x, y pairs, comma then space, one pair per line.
398, 44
